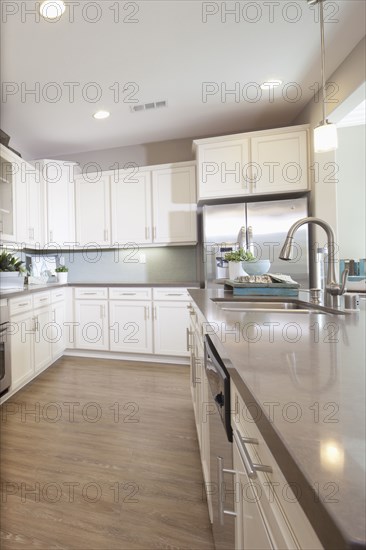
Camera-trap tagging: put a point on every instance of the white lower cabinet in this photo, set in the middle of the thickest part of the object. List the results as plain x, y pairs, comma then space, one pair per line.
91, 318
21, 348
37, 333
130, 326
42, 338
268, 515
171, 320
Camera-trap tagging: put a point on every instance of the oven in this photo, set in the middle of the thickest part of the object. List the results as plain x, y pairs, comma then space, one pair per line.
5, 367
221, 450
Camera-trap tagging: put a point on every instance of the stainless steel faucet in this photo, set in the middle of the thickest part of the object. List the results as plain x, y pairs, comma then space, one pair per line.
332, 289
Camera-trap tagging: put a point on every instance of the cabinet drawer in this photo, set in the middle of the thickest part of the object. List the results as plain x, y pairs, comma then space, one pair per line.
18, 305
171, 294
58, 295
91, 293
41, 299
130, 293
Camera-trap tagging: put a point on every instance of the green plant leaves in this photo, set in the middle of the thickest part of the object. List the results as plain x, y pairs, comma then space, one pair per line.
11, 263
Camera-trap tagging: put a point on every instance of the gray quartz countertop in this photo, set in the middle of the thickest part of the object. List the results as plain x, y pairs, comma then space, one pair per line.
305, 373
49, 286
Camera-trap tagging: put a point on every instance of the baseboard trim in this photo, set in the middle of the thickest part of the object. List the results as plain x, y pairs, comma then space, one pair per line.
169, 359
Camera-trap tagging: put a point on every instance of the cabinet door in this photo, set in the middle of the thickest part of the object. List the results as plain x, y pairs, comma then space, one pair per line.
91, 317
250, 528
21, 348
42, 341
171, 320
8, 170
131, 208
280, 162
60, 204
92, 211
58, 329
174, 205
131, 326
223, 169
34, 207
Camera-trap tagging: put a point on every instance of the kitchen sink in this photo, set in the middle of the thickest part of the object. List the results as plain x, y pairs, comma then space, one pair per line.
280, 305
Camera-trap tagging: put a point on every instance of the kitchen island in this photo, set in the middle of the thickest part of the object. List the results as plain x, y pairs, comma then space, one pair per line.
302, 376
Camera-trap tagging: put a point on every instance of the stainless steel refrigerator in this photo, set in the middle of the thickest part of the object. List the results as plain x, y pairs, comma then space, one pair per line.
260, 227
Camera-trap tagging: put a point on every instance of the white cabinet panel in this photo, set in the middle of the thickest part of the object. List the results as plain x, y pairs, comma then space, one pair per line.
93, 211
222, 169
280, 162
174, 205
9, 166
60, 202
91, 317
131, 326
42, 339
29, 212
21, 346
170, 328
131, 208
58, 329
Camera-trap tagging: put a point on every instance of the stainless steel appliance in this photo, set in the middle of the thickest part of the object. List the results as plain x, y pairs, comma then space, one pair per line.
221, 450
265, 224
5, 372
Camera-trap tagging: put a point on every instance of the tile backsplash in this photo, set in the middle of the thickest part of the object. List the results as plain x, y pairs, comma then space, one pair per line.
164, 264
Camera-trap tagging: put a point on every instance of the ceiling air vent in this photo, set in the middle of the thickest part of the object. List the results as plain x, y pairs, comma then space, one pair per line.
148, 106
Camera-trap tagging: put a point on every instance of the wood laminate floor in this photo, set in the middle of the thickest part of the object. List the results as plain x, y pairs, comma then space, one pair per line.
102, 455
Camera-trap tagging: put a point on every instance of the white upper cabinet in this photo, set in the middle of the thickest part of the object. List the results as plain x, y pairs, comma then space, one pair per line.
270, 161
131, 207
9, 166
92, 206
154, 206
280, 162
29, 212
58, 177
174, 205
222, 169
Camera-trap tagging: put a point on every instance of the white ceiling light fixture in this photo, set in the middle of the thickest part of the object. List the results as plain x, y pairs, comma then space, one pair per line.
101, 115
325, 135
52, 9
271, 84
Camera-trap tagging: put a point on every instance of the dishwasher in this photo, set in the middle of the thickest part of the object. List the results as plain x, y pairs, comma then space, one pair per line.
221, 449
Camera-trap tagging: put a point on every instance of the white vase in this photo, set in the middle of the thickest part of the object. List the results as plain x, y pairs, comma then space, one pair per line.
62, 277
235, 270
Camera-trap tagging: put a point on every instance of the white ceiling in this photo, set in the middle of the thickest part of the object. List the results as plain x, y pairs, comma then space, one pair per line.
169, 53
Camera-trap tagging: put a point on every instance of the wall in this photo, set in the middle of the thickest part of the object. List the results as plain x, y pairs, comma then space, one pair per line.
175, 264
349, 76
351, 194
162, 152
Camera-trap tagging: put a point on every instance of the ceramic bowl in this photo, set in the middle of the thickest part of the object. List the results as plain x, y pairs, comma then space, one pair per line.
256, 267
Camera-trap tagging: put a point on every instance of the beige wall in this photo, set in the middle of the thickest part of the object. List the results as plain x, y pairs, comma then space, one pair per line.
349, 76
175, 150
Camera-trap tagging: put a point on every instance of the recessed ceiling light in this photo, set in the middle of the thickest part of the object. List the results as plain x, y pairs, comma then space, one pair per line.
271, 84
51, 9
100, 115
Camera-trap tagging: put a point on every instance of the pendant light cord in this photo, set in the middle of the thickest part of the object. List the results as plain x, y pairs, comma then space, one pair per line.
321, 17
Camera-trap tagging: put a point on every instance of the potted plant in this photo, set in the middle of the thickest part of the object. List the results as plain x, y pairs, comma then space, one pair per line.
62, 273
235, 259
12, 271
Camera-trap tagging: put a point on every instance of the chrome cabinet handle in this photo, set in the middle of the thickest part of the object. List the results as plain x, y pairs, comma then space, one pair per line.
147, 233
88, 293
51, 236
175, 294
250, 466
154, 312
23, 304
220, 481
188, 334
127, 293
106, 234
154, 232
196, 380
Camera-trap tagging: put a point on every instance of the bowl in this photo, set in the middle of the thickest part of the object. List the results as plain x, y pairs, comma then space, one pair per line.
256, 267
